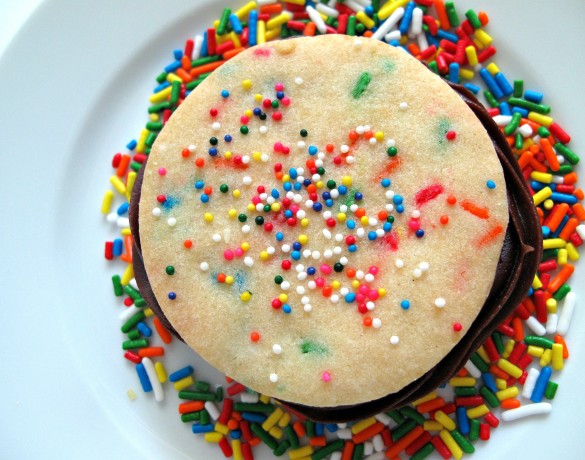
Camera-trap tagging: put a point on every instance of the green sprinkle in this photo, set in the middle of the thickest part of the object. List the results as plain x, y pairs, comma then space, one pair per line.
551, 390
479, 363
566, 152
264, 436
190, 417
278, 279
170, 270
474, 429
403, 429
376, 5
358, 451
223, 22
117, 283
175, 92
452, 13
434, 68
205, 60
396, 416
131, 344
150, 139
392, 151
242, 217
310, 428
292, 436
423, 452
223, 188
204, 417
361, 85
465, 391
565, 169
281, 448
196, 395
531, 106
412, 414
334, 446
135, 166
360, 28
519, 141
543, 132
156, 108
538, 341
331, 184
254, 407
132, 293
162, 77
202, 386
549, 254
244, 129
498, 342
473, 19
285, 32
219, 394
309, 346
562, 292
513, 125
489, 396
134, 334
139, 303
518, 88
154, 125
465, 445
491, 99
133, 321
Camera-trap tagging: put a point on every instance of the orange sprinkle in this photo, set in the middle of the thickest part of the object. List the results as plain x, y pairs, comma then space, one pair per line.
579, 194
318, 441
254, 336
483, 18
414, 49
559, 339
451, 199
390, 168
191, 406
518, 329
540, 213
569, 228
529, 304
570, 178
579, 211
231, 53
469, 206
524, 159
299, 429
561, 278
184, 75
538, 166
368, 33
123, 166
490, 236
431, 405
310, 29
368, 433
254, 441
162, 331
186, 63
188, 244
350, 272
360, 212
367, 321
442, 14
233, 424
499, 373
550, 154
347, 453
510, 403
462, 372
273, 8
197, 71
149, 352
444, 220
404, 442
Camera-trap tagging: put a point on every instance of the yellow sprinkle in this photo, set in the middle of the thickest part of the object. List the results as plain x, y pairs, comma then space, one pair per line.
140, 145
272, 419
297, 454
362, 425
335, 284
477, 43
154, 117
390, 7
540, 119
251, 207
249, 113
235, 39
483, 37
403, 40
557, 356
232, 213
245, 246
508, 349
244, 11
258, 97
493, 68
379, 135
171, 77
546, 357
471, 55
285, 178
304, 222
118, 185
432, 425
462, 382
451, 444
275, 207
107, 202
545, 178
424, 399
572, 252
237, 449
126, 232
213, 437
265, 399
535, 351
365, 220
296, 2
261, 32
216, 25
347, 181
245, 296
303, 239
542, 195
208, 217
563, 257
501, 384
477, 412
548, 204
509, 368
284, 420
279, 20
508, 393
148, 312
553, 243
381, 292
229, 279
320, 184
341, 217
128, 275
264, 255
161, 372
355, 284
444, 420
236, 193
551, 305
257, 156
247, 84
283, 297
275, 432
536, 283
466, 74
227, 155
130, 184
221, 428
161, 96
183, 383
483, 354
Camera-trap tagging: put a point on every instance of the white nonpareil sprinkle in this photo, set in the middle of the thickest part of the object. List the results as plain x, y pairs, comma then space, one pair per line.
276, 349
415, 214
308, 308
403, 106
263, 129
156, 212
298, 80
204, 266
399, 263
216, 126
377, 323
246, 180
248, 261
394, 340
417, 273
440, 302
273, 377
245, 229
172, 221
285, 285
216, 237
424, 266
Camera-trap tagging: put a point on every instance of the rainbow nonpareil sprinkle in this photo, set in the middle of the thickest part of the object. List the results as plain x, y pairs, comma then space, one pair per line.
511, 376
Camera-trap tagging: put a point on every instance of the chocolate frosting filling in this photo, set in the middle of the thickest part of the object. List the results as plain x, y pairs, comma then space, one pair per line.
517, 265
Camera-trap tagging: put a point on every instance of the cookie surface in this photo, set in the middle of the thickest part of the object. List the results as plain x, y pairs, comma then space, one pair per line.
340, 247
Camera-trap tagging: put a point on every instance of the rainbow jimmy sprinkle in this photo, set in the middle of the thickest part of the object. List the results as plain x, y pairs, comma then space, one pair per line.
509, 377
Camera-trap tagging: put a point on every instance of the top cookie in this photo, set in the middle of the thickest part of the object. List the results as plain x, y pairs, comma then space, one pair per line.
322, 218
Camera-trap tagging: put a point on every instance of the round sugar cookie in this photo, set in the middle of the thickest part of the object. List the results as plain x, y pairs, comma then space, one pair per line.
322, 219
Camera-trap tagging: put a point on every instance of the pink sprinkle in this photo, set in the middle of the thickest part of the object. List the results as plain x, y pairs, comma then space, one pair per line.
326, 269
294, 208
244, 119
374, 270
279, 87
326, 376
414, 224
320, 282
162, 171
239, 252
256, 199
285, 149
285, 101
373, 294
278, 146
228, 254
363, 289
360, 297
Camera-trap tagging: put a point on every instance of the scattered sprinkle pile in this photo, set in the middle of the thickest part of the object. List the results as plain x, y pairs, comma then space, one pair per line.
507, 378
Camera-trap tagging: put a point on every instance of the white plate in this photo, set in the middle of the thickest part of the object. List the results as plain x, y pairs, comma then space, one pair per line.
75, 83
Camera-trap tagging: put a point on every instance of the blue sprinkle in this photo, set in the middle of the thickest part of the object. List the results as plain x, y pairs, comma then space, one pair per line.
350, 224
205, 198
279, 236
252, 417
172, 66
332, 427
358, 196
307, 182
533, 96
342, 189
288, 213
181, 374
199, 184
540, 385
530, 291
372, 236
118, 248
317, 206
143, 377
329, 202
405, 304
489, 381
400, 209
386, 182
313, 150
350, 297
420, 233
297, 186
257, 111
319, 429
287, 186
279, 95
178, 54
296, 255
463, 421
297, 246
235, 434
225, 93
311, 271
275, 193
123, 208
236, 26
172, 296
326, 195
352, 248
213, 152
132, 144
286, 308
490, 184
397, 199
163, 85
203, 428
387, 227
144, 329
370, 12
292, 172
545, 231
227, 138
